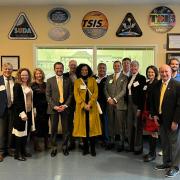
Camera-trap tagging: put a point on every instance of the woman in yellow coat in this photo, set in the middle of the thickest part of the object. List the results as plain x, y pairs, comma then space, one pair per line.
86, 121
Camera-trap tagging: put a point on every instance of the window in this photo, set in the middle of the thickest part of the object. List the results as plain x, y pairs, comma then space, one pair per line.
46, 57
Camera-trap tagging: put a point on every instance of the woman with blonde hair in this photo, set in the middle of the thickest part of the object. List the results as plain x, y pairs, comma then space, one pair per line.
40, 103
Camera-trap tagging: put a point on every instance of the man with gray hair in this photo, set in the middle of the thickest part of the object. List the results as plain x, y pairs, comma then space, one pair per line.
6, 110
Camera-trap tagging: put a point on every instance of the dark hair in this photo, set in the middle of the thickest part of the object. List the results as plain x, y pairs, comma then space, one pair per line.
176, 59
18, 76
154, 68
117, 61
101, 64
79, 68
126, 59
58, 63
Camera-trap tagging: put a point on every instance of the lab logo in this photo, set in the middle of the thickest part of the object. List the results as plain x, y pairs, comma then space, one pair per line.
129, 27
58, 16
162, 19
94, 24
22, 28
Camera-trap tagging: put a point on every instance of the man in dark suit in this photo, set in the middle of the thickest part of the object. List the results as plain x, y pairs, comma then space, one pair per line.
166, 110
101, 81
72, 75
59, 94
115, 91
6, 111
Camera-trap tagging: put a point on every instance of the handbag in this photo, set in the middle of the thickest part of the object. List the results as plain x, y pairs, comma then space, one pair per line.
97, 103
149, 123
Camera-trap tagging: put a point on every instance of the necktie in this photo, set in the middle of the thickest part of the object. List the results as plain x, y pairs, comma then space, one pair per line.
114, 77
163, 89
60, 87
8, 91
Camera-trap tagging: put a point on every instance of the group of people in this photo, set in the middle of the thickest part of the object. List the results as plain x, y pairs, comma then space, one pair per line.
113, 110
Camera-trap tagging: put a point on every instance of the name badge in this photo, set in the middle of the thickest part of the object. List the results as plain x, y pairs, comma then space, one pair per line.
145, 88
2, 87
82, 87
135, 84
110, 81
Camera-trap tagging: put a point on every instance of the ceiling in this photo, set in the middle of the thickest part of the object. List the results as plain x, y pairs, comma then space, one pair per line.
85, 2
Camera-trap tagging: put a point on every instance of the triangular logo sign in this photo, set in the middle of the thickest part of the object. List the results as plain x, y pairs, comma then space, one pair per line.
129, 27
22, 28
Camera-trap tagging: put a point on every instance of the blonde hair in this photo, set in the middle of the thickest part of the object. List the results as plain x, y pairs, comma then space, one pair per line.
6, 65
41, 71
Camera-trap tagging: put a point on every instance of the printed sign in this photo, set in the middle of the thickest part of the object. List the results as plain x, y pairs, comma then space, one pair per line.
129, 27
58, 16
22, 28
94, 24
162, 19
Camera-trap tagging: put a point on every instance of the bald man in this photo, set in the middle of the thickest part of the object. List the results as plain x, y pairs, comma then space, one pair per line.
166, 111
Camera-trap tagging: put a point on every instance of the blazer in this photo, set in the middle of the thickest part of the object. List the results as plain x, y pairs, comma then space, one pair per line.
117, 90
3, 96
20, 126
170, 104
52, 93
137, 91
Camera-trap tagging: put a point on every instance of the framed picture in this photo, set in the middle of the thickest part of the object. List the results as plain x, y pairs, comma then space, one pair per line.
173, 41
14, 60
172, 55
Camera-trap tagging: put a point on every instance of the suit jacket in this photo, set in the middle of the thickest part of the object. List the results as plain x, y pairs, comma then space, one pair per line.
19, 107
170, 104
101, 95
52, 93
117, 90
137, 91
3, 97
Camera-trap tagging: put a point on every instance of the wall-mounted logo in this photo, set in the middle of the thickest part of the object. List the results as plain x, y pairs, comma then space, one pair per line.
22, 28
162, 19
129, 27
59, 34
58, 16
94, 24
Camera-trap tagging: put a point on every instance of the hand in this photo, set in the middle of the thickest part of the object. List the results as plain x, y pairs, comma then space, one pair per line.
56, 108
88, 107
61, 108
24, 118
174, 126
156, 118
111, 101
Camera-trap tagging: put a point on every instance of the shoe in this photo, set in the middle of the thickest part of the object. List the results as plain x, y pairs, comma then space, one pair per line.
149, 157
54, 153
172, 172
26, 154
120, 148
109, 146
65, 150
85, 152
72, 146
162, 167
93, 153
19, 158
1, 158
